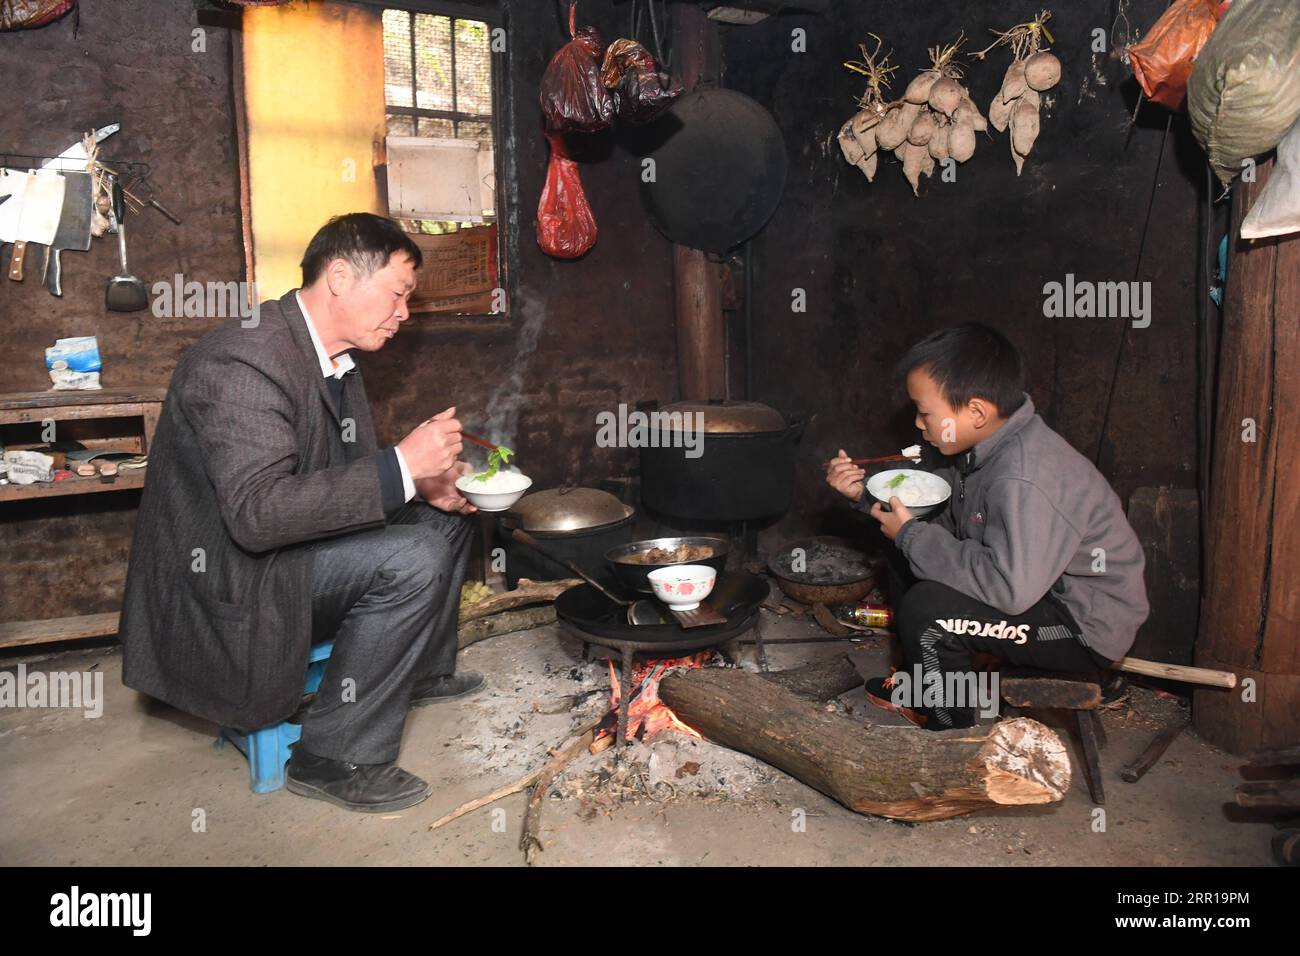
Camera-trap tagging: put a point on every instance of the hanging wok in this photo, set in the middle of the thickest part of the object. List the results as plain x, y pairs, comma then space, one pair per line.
719, 172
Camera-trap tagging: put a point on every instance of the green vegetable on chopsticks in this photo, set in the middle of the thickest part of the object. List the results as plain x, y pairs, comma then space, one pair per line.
496, 458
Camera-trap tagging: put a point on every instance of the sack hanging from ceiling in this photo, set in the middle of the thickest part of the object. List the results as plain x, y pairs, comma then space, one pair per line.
566, 229
27, 14
573, 98
1244, 91
1162, 60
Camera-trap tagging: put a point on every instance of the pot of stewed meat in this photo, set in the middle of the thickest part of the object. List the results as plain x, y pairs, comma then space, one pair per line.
633, 562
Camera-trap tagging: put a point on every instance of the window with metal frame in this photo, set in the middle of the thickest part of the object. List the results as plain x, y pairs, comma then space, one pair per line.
439, 86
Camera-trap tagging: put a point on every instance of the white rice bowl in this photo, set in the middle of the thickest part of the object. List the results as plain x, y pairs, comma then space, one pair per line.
920, 492
497, 493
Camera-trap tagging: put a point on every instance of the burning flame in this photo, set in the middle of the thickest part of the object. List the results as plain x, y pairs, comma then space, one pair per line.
646, 713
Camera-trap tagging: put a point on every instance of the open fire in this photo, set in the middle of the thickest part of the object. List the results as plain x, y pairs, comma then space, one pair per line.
646, 714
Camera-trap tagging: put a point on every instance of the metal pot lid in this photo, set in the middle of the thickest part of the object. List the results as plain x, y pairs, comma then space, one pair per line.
569, 509
734, 417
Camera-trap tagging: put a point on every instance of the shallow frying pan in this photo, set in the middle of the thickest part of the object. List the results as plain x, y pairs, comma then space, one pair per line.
720, 167
737, 597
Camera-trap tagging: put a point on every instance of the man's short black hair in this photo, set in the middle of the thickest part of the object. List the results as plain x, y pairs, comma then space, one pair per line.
970, 361
364, 240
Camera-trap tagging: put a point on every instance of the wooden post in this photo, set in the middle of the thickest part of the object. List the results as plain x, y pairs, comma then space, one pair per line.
1250, 614
701, 334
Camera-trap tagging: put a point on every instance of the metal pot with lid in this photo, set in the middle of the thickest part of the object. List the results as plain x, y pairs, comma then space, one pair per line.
579, 524
729, 417
740, 467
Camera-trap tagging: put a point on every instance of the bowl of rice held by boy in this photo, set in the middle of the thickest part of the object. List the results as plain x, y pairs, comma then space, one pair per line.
919, 491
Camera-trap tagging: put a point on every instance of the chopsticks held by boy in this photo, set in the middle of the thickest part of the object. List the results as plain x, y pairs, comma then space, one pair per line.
1032, 560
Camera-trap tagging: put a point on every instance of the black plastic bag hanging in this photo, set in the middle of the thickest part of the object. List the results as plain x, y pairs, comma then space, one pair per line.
643, 90
573, 98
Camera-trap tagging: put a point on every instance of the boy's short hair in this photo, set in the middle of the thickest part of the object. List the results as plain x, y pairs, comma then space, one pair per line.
968, 361
362, 239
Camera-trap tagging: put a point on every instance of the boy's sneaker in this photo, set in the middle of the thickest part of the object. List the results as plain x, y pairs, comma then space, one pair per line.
879, 692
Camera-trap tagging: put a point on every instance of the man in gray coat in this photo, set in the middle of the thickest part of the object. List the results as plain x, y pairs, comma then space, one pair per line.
271, 520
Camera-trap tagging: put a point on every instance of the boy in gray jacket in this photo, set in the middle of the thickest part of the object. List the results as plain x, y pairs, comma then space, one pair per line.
1032, 560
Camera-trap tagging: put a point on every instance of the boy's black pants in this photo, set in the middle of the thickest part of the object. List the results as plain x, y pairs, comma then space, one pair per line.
942, 630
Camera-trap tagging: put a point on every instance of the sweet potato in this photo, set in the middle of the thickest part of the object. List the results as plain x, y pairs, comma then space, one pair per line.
1024, 130
890, 131
868, 166
849, 146
999, 113
1042, 71
945, 95
922, 129
918, 91
914, 160
1013, 84
938, 145
865, 133
961, 141
968, 112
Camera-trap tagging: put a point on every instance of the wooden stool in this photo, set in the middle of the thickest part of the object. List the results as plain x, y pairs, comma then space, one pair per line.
1081, 693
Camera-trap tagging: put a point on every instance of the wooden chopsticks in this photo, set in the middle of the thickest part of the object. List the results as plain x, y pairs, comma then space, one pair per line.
481, 442
872, 461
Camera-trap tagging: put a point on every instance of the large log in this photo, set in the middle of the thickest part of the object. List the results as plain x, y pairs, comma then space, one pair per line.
898, 772
820, 680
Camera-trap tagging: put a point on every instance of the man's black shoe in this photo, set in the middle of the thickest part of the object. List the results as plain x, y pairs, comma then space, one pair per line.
434, 690
366, 788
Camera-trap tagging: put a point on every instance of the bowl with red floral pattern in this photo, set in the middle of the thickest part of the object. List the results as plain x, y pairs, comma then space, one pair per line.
683, 586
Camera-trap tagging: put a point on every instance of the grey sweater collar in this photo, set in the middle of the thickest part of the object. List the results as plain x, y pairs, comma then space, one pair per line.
984, 451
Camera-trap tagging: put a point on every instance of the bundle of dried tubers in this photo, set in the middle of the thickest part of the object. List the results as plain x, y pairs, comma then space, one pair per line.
934, 121
1033, 71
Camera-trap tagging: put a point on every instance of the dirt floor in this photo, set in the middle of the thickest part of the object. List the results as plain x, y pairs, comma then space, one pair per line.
143, 784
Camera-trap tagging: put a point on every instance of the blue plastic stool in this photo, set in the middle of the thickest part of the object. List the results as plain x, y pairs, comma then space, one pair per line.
267, 749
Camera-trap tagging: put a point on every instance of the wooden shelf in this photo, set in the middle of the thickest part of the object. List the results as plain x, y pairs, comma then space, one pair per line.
19, 633
17, 408
131, 480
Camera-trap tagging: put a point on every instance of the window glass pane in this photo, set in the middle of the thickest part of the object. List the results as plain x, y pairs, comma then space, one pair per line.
430, 126
473, 68
433, 62
397, 58
400, 125
474, 129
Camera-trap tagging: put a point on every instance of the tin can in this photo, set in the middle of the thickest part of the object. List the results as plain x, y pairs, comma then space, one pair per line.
871, 615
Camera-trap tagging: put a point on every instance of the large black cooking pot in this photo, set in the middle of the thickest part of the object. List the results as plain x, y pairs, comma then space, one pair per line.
744, 471
578, 524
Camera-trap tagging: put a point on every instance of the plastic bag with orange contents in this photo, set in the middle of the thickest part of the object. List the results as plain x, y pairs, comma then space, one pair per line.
1163, 59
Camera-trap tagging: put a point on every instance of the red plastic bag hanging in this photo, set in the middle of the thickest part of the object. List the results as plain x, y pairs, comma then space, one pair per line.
566, 229
573, 98
1163, 59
